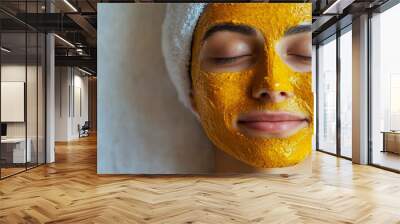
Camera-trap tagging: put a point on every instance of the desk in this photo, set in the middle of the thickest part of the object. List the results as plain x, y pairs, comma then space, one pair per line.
15, 148
391, 141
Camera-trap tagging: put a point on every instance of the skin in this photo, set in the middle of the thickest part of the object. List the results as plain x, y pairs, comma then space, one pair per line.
235, 74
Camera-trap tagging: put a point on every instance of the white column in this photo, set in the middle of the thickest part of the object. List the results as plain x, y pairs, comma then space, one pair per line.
50, 100
360, 90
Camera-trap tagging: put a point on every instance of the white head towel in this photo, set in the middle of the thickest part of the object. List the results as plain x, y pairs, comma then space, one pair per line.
177, 31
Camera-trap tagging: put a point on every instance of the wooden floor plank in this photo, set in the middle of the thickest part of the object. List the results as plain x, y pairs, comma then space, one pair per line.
70, 191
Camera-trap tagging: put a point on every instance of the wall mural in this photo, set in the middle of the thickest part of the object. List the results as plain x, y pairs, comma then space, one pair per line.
244, 70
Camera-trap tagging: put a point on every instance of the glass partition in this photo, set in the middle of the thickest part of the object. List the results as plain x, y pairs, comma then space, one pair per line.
13, 94
22, 88
327, 96
31, 100
41, 96
385, 89
346, 93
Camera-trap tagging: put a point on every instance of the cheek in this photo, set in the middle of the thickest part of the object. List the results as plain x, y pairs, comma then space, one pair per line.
222, 92
302, 88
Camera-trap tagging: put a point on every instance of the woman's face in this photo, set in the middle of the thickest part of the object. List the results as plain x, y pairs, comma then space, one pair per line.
251, 80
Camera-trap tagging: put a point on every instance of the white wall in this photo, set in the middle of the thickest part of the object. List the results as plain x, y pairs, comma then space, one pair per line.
33, 127
68, 82
17, 73
142, 127
82, 83
61, 103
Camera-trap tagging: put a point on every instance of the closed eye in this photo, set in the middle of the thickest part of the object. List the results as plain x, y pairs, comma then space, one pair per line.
300, 57
228, 60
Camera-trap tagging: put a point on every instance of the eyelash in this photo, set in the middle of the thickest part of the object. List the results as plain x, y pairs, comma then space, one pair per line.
228, 60
302, 57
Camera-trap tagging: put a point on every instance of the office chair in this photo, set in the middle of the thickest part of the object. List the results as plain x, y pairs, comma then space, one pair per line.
84, 130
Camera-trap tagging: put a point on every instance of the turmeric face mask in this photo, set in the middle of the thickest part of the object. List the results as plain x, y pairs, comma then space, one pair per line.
251, 81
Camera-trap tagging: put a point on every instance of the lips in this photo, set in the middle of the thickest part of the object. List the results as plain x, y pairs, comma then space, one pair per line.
275, 124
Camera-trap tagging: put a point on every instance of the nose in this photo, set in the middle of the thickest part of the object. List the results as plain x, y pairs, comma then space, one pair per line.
263, 94
271, 83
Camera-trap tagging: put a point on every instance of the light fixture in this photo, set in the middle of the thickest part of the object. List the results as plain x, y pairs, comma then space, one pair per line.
79, 51
337, 7
5, 50
65, 41
84, 71
70, 5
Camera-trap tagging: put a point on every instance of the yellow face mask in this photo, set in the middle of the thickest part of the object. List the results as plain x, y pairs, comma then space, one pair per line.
256, 106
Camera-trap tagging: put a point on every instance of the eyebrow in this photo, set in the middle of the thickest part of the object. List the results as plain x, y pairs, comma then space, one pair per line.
243, 29
247, 30
298, 29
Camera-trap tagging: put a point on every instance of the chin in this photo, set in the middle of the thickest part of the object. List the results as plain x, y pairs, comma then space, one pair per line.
263, 150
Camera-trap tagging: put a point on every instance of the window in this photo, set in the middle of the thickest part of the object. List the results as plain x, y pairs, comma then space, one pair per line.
346, 93
385, 89
327, 97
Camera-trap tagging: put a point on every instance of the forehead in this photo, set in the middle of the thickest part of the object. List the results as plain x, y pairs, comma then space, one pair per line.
271, 19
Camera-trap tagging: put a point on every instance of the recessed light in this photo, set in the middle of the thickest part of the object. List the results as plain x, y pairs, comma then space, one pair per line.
70, 5
65, 41
84, 71
5, 50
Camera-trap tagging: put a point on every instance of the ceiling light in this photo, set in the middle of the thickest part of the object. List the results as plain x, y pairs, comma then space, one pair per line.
84, 71
65, 41
5, 50
337, 7
70, 5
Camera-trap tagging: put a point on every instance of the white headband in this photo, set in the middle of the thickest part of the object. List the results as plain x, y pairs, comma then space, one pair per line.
177, 32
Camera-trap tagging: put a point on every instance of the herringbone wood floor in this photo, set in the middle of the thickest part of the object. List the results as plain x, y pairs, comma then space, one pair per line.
70, 191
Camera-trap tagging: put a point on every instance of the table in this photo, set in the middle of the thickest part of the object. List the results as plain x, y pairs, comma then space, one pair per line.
391, 141
16, 148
